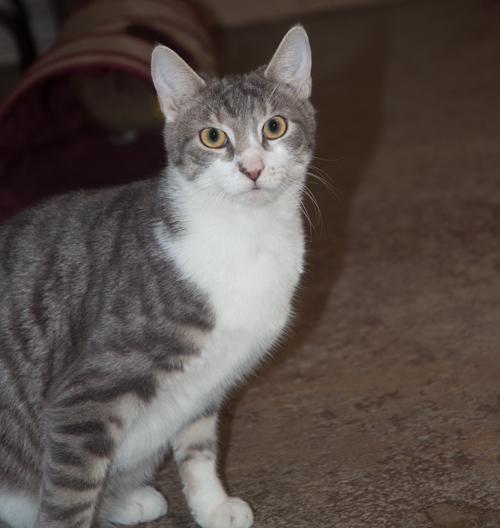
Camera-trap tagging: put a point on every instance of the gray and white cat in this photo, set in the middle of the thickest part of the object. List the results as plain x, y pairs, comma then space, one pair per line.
126, 314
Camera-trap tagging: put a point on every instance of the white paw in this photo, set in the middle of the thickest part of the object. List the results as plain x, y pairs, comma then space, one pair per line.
232, 513
143, 504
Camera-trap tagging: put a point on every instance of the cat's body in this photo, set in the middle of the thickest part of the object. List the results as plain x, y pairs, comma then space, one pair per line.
127, 314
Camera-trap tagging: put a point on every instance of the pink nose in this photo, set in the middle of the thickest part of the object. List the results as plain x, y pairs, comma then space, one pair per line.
252, 174
251, 163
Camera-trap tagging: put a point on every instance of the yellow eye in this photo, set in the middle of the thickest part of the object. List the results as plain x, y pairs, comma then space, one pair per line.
274, 128
213, 137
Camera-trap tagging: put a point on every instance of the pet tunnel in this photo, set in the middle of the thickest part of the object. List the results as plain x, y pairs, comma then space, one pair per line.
85, 114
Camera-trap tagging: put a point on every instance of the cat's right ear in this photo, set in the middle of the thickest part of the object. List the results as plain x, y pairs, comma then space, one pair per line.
174, 81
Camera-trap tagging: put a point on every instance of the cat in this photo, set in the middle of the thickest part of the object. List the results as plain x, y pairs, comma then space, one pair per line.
128, 313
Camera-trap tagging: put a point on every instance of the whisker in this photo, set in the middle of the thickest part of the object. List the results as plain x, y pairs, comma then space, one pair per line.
303, 208
272, 93
322, 178
208, 106
330, 186
321, 171
316, 207
326, 159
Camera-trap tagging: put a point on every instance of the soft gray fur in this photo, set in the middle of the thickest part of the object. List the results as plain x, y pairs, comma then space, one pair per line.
102, 324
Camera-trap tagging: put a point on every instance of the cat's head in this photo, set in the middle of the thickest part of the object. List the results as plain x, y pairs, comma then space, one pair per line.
249, 138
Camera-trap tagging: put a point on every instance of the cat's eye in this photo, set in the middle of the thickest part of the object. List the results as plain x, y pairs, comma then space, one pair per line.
213, 137
274, 128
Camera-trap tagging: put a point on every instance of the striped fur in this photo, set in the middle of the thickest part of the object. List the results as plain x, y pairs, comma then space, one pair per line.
126, 314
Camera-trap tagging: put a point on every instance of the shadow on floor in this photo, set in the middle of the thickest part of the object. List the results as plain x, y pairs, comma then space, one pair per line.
349, 113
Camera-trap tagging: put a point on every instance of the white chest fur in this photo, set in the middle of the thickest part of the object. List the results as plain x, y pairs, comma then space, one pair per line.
247, 262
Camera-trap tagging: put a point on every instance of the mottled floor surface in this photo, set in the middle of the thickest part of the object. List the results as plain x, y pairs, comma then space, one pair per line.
382, 409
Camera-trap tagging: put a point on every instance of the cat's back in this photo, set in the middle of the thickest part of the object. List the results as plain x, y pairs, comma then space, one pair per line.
67, 220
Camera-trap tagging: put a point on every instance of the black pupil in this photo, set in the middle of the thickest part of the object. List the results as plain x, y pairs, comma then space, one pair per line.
214, 135
274, 126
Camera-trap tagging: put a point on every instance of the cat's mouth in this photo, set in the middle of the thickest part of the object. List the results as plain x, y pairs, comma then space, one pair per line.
257, 193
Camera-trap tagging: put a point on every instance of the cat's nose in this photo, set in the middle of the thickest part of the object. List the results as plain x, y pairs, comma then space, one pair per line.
252, 174
251, 163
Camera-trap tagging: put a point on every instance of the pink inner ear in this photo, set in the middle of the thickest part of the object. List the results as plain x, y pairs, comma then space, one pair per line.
173, 80
303, 72
292, 62
168, 108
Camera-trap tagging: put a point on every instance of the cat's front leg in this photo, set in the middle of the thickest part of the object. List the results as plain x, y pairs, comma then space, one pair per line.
75, 466
81, 434
195, 451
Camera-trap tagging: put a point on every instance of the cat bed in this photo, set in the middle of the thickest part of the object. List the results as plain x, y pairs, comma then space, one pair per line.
85, 114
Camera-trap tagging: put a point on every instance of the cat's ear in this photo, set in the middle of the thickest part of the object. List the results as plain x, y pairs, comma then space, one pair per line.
174, 81
291, 63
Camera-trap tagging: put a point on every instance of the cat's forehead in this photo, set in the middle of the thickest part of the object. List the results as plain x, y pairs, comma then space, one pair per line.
239, 98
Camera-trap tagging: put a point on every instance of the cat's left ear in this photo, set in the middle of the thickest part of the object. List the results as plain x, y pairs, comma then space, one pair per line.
174, 81
291, 63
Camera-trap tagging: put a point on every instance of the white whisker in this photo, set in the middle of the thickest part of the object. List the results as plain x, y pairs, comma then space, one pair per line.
272, 93
322, 178
208, 106
302, 207
316, 208
326, 159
